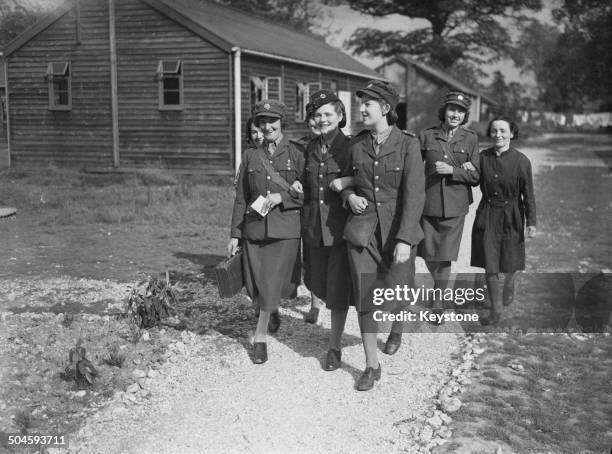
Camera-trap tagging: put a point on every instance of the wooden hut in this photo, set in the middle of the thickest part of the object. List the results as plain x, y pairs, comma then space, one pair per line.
166, 83
421, 88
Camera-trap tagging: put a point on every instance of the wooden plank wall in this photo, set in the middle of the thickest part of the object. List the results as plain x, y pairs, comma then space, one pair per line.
79, 136
292, 74
197, 136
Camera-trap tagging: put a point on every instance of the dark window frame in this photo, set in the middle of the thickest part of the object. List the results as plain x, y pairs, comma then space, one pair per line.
170, 84
59, 82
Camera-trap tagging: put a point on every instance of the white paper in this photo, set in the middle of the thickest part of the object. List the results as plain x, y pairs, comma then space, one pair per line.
258, 205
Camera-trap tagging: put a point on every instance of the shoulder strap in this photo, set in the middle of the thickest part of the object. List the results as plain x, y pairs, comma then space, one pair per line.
274, 175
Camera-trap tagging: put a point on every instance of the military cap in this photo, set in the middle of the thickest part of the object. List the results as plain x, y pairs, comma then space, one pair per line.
458, 98
380, 89
269, 108
322, 97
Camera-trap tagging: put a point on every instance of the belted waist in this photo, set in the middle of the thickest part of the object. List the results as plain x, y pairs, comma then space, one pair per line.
497, 203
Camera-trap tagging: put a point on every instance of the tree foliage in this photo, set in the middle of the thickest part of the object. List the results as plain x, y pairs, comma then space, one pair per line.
15, 17
572, 63
461, 33
301, 14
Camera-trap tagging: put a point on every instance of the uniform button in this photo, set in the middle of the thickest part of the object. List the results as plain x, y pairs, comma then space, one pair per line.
506, 202
495, 175
268, 192
320, 201
377, 204
322, 164
321, 188
270, 162
376, 177
320, 175
445, 156
495, 193
268, 177
375, 163
376, 189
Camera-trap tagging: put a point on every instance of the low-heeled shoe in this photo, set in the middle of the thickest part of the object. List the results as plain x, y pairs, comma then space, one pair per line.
393, 343
260, 352
367, 379
274, 323
333, 360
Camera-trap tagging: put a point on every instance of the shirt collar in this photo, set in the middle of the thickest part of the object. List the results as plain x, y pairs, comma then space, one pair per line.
328, 141
381, 137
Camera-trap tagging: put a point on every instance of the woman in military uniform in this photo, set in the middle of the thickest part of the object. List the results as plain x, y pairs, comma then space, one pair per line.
386, 202
327, 273
270, 233
450, 152
506, 207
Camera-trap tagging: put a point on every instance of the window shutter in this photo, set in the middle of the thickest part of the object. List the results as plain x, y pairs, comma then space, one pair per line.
273, 88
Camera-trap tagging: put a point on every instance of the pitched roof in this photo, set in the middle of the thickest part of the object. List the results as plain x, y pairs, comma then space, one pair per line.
441, 76
257, 35
228, 28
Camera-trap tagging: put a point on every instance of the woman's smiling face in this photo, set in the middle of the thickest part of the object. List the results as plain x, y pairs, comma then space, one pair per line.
371, 110
327, 118
271, 128
453, 115
501, 134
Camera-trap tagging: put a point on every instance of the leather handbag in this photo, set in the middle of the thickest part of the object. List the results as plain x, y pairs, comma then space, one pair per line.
230, 279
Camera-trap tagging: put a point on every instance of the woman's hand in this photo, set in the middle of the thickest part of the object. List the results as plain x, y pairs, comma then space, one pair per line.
338, 184
468, 166
531, 231
357, 203
443, 168
233, 247
401, 253
272, 200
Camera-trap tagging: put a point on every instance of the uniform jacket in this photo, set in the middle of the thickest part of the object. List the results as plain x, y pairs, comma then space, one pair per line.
449, 195
323, 215
283, 221
507, 190
393, 183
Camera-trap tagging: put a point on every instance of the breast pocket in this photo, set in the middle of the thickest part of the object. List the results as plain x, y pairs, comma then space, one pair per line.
254, 176
393, 174
288, 173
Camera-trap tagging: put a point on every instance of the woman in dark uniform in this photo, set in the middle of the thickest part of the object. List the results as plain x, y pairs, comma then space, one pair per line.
270, 241
327, 273
451, 160
507, 205
383, 230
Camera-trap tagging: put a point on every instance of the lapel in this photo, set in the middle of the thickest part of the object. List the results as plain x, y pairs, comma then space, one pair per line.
392, 143
459, 136
336, 146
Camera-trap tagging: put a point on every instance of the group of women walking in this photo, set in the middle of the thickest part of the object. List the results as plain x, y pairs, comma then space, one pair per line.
364, 207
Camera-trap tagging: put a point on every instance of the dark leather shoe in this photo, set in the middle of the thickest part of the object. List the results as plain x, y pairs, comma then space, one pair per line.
274, 323
508, 295
492, 320
260, 352
367, 379
312, 316
332, 362
393, 343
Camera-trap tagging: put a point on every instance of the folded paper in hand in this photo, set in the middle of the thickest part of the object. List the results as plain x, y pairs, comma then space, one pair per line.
259, 206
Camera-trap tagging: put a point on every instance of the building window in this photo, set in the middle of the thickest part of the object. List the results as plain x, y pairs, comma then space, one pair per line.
170, 84
265, 88
60, 86
3, 112
302, 96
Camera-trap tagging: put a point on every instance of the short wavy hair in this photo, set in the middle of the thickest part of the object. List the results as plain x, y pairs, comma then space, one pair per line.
514, 130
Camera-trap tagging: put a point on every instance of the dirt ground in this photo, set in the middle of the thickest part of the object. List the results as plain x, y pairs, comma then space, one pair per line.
209, 397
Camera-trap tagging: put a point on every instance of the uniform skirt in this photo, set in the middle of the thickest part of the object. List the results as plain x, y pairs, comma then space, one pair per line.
269, 269
442, 238
373, 269
327, 274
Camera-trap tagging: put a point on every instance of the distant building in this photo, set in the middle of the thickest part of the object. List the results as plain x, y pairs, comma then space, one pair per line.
421, 88
161, 82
